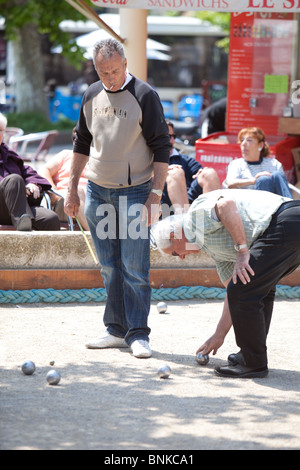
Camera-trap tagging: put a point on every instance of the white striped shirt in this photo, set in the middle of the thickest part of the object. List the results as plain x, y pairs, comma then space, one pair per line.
241, 169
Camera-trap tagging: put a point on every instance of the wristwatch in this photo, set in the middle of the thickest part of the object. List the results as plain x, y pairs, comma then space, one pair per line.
240, 247
158, 192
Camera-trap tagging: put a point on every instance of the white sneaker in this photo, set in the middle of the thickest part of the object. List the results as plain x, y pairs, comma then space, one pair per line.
141, 348
107, 341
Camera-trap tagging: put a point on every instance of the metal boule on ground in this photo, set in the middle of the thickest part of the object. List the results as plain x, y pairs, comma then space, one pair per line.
28, 367
109, 400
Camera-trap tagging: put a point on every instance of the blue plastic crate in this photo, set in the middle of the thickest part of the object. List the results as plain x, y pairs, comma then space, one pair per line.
63, 106
168, 109
190, 107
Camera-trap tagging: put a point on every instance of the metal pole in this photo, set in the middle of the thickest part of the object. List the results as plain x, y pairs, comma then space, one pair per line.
133, 27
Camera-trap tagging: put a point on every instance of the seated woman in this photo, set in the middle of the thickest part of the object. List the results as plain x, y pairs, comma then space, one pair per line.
57, 172
21, 190
257, 169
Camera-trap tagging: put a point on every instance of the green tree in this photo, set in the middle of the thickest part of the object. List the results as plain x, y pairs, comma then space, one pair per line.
217, 18
25, 22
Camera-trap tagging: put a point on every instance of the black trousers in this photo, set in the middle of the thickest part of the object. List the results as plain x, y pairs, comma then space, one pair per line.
273, 255
14, 203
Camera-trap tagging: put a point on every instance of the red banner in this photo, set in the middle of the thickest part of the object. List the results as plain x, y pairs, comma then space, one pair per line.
260, 68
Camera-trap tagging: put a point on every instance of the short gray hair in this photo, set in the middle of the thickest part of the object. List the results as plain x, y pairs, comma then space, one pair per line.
107, 48
161, 231
3, 121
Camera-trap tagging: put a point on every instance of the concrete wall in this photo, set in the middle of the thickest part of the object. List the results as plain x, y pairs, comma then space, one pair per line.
68, 250
62, 260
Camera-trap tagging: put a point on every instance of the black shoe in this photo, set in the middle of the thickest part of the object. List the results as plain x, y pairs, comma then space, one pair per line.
24, 223
236, 358
240, 371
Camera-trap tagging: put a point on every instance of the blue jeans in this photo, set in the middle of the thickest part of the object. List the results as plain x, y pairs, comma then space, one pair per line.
123, 249
276, 183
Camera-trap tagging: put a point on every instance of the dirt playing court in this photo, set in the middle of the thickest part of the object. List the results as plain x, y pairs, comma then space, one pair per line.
109, 400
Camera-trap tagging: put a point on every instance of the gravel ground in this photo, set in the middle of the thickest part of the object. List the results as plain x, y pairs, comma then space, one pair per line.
108, 400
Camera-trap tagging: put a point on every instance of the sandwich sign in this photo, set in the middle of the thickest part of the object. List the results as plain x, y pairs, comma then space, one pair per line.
264, 6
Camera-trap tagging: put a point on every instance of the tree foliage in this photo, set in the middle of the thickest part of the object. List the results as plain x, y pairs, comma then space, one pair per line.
46, 15
217, 18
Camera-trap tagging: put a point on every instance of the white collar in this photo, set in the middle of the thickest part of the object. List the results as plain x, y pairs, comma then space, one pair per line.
174, 152
127, 80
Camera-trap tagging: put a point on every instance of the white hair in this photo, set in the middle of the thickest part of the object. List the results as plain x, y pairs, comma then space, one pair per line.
107, 47
3, 121
161, 231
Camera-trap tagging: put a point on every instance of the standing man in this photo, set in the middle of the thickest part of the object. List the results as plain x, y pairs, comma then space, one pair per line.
122, 119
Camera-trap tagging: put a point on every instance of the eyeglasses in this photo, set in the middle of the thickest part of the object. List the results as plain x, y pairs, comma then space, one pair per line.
172, 135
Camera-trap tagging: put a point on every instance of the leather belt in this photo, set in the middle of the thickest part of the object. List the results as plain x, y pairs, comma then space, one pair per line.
286, 205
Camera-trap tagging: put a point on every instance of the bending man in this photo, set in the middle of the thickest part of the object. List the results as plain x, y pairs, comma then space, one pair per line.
254, 239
